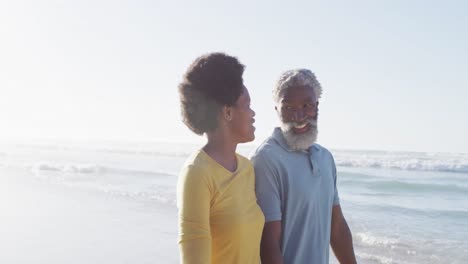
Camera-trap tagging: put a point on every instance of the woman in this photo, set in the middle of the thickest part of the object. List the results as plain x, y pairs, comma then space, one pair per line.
219, 219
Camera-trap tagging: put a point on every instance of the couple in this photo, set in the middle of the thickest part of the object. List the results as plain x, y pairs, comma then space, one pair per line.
282, 207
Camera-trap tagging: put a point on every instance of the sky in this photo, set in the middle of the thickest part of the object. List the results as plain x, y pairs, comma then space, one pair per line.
394, 73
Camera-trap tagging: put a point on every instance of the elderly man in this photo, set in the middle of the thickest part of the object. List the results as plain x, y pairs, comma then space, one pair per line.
296, 182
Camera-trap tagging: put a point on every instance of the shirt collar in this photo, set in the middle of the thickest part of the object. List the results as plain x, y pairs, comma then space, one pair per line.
278, 136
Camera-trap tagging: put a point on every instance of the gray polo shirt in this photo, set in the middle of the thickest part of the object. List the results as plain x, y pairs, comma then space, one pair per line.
298, 188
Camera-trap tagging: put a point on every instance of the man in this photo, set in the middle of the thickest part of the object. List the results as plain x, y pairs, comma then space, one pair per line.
296, 182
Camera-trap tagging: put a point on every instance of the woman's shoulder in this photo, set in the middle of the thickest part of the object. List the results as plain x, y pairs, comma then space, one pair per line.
244, 163
194, 165
242, 158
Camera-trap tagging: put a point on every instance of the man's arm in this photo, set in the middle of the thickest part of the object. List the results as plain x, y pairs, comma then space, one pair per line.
341, 240
270, 247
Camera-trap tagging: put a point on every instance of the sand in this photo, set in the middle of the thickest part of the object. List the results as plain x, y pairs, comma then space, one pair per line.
49, 223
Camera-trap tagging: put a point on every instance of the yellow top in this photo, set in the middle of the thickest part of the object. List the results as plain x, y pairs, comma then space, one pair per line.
219, 219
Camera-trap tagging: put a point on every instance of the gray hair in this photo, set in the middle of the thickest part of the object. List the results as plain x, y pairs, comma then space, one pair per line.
296, 77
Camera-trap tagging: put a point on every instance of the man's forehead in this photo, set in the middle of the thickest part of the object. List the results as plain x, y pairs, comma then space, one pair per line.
299, 91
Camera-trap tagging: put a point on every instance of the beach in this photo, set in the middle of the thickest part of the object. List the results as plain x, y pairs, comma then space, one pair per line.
51, 223
114, 202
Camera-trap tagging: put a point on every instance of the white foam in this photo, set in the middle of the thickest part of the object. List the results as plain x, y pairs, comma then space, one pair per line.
371, 240
67, 168
90, 169
42, 166
376, 258
423, 161
447, 162
113, 181
160, 196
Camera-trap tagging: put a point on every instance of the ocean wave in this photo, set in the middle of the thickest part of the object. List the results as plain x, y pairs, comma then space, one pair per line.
400, 186
399, 248
181, 154
83, 168
443, 162
412, 161
433, 213
375, 258
382, 249
398, 183
137, 149
147, 186
159, 196
126, 188
92, 169
372, 240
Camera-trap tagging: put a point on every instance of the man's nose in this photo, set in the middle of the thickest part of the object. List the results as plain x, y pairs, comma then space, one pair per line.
299, 115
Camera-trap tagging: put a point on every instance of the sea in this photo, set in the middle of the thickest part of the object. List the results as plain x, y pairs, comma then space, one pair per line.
402, 207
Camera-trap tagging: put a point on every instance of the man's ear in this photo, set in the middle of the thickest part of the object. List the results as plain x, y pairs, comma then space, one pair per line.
278, 110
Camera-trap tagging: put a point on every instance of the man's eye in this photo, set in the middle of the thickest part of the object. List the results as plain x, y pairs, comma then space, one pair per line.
310, 105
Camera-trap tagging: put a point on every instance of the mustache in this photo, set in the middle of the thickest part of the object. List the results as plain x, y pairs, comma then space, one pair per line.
312, 123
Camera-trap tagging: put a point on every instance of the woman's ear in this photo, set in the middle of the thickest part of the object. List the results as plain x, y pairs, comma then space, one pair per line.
227, 113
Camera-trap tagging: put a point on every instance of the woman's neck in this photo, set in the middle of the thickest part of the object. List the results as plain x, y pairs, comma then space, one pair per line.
222, 151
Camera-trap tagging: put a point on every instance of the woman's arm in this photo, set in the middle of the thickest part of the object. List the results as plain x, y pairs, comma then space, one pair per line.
193, 201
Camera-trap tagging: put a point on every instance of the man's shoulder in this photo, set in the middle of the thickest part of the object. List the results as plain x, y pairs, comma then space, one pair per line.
269, 148
322, 150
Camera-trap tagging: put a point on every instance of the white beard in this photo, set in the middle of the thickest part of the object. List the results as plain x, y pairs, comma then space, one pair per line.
299, 141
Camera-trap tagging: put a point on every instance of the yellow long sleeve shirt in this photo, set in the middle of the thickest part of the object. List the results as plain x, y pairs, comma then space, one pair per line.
219, 219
